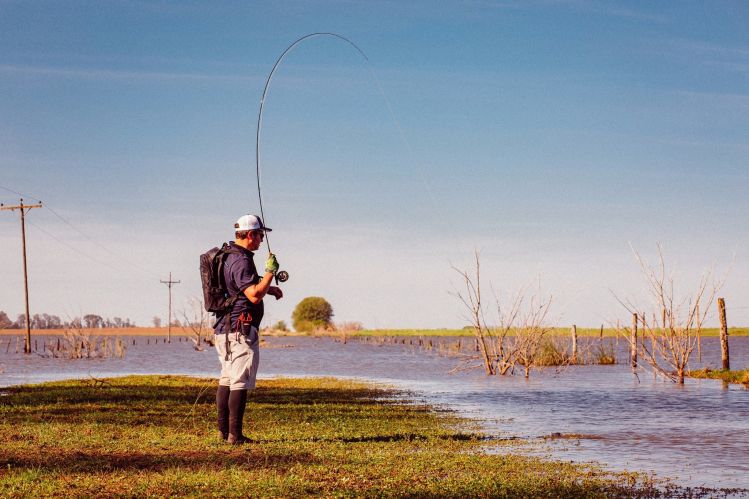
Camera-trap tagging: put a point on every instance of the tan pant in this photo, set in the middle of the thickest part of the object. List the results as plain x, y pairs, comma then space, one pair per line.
239, 371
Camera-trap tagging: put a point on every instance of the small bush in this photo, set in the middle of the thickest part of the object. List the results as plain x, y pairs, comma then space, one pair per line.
605, 355
350, 326
312, 313
552, 354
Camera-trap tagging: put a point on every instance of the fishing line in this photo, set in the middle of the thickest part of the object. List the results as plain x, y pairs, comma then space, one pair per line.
260, 122
262, 104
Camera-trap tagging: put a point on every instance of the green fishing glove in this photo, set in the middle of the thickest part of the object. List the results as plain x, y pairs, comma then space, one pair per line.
271, 264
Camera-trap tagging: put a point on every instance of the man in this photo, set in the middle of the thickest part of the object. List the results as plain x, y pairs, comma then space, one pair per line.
237, 338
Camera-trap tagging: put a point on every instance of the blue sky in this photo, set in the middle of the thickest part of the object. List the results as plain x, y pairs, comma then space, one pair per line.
550, 135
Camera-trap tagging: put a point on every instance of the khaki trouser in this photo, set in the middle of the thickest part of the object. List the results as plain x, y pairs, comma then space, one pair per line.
239, 371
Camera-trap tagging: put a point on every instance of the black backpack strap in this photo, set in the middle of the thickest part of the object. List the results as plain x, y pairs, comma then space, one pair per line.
228, 248
222, 284
229, 304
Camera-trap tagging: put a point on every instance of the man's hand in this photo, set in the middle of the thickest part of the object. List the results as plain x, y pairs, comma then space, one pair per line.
271, 264
275, 291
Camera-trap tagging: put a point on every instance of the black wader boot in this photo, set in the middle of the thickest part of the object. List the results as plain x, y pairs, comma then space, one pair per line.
237, 404
222, 404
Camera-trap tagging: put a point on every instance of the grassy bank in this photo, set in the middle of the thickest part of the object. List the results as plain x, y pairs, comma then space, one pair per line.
154, 435
741, 377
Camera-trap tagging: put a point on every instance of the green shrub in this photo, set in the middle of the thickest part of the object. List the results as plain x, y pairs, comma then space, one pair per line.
605, 355
311, 313
551, 354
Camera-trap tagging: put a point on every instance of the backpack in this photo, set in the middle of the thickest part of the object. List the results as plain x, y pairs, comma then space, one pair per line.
216, 297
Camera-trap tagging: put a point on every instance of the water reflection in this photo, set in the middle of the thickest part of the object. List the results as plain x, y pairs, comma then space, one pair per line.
697, 434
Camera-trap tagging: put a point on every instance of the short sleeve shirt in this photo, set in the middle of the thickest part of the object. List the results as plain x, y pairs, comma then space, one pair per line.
239, 274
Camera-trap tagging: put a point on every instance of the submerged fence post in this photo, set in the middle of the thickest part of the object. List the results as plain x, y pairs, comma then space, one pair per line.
699, 331
723, 334
633, 343
663, 319
574, 344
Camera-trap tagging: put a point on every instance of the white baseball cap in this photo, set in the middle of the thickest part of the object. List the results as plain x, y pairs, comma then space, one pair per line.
250, 222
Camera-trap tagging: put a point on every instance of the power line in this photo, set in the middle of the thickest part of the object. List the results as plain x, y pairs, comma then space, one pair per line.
17, 193
97, 243
89, 238
49, 234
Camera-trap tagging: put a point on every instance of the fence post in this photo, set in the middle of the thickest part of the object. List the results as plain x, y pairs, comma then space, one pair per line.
723, 334
699, 331
663, 319
633, 343
574, 344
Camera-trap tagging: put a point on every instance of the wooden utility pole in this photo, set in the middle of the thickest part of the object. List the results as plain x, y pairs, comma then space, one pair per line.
723, 334
169, 327
23, 209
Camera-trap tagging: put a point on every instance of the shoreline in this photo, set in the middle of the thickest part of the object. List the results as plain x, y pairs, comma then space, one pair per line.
321, 436
186, 332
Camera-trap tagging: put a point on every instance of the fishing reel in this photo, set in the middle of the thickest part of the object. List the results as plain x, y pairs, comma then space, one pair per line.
282, 276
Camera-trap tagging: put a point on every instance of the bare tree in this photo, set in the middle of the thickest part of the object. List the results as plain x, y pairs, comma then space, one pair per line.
92, 321
531, 332
196, 323
671, 329
472, 300
345, 329
54, 322
81, 344
5, 322
521, 328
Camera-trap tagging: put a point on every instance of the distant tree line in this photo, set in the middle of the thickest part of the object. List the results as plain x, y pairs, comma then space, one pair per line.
47, 321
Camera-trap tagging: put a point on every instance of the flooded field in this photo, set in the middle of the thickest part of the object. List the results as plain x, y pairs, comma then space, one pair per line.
696, 434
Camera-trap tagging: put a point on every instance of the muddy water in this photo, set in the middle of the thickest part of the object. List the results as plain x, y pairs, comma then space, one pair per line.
696, 434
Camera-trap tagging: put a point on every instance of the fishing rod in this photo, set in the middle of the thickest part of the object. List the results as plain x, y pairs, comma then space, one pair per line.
282, 275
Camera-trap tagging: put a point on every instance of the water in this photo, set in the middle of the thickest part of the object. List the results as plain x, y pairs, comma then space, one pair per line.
696, 434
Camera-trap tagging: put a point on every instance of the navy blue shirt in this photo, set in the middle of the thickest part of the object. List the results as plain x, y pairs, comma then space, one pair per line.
239, 274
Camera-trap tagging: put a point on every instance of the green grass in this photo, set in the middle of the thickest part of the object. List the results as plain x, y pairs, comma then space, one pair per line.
741, 376
413, 332
732, 331
155, 436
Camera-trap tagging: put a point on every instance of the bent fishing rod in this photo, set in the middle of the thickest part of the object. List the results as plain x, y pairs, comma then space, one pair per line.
282, 275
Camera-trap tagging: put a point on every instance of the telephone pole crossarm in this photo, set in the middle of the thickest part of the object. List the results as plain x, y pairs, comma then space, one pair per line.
19, 207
